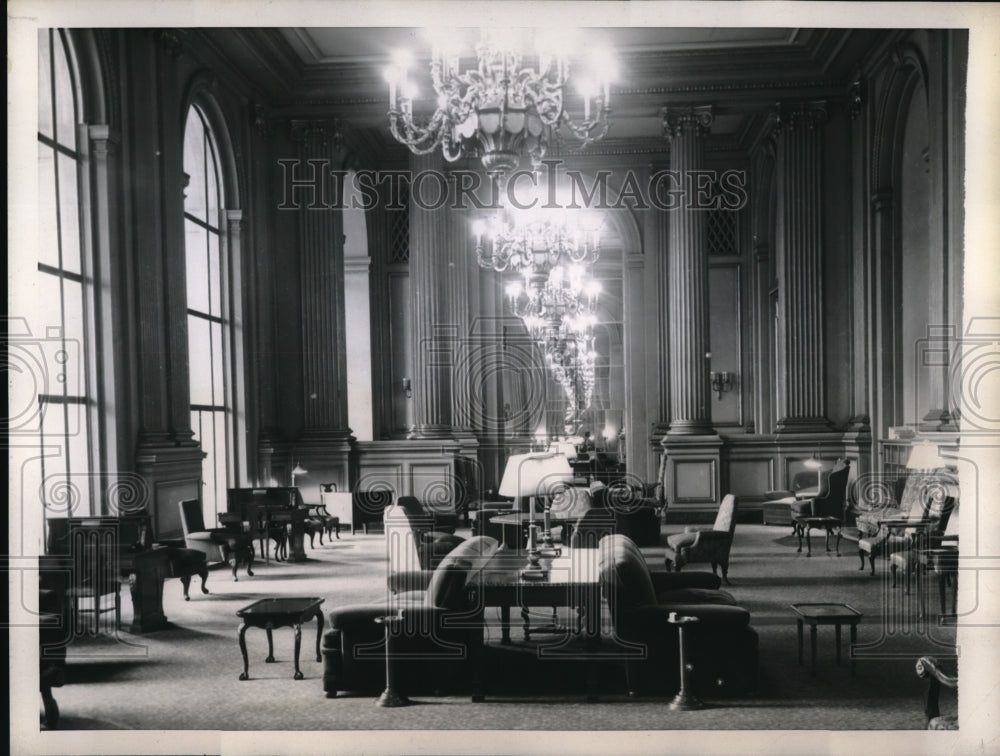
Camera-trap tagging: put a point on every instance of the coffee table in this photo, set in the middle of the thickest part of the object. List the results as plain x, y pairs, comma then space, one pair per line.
826, 614
571, 580
269, 613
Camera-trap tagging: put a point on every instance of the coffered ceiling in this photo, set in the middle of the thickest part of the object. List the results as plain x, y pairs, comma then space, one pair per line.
338, 72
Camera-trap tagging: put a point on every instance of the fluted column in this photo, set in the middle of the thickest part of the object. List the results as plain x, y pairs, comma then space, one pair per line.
659, 332
465, 375
687, 289
432, 327
324, 443
799, 266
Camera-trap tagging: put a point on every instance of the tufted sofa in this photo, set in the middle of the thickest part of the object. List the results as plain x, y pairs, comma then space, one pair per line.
440, 636
723, 646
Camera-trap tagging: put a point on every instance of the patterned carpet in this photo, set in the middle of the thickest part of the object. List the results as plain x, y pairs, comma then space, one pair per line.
185, 678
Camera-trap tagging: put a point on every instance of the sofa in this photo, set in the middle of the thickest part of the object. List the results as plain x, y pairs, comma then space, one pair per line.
722, 646
439, 639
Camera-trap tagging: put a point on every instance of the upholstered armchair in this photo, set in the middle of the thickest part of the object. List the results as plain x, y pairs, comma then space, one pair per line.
438, 644
444, 522
723, 646
905, 549
831, 500
777, 506
636, 515
413, 543
218, 544
928, 669
883, 531
705, 545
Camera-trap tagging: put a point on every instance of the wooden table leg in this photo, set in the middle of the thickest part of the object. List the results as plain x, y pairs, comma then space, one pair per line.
319, 632
505, 624
854, 641
809, 546
799, 623
270, 646
812, 643
298, 645
245, 675
838, 643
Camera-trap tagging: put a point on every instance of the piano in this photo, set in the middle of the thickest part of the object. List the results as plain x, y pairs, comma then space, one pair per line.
262, 510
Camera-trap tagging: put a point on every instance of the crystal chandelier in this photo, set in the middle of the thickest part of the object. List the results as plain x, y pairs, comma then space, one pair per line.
501, 107
566, 294
538, 239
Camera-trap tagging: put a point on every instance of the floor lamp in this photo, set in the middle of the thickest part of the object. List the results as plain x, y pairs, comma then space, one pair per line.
531, 476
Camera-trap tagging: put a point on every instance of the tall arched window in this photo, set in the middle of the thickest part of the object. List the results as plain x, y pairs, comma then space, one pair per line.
207, 311
63, 290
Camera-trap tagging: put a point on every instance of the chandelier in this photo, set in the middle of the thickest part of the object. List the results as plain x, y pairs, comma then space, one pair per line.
537, 239
499, 108
566, 294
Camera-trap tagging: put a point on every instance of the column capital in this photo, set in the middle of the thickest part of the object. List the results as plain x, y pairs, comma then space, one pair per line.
793, 116
695, 119
322, 131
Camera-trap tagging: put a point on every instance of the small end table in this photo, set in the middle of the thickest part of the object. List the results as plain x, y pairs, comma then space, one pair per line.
826, 614
269, 613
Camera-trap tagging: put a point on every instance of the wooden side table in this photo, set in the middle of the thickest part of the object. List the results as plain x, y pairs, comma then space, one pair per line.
829, 524
269, 613
826, 614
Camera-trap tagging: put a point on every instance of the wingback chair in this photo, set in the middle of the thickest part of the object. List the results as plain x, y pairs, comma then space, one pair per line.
412, 542
218, 544
711, 546
724, 648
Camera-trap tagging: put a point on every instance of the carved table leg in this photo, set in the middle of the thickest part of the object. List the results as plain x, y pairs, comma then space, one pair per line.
186, 582
799, 622
245, 675
319, 632
270, 646
837, 631
809, 546
812, 648
298, 645
203, 574
505, 624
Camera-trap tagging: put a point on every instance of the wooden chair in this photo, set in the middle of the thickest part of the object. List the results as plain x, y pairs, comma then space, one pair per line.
218, 544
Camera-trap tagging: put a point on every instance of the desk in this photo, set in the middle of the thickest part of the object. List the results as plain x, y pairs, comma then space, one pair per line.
269, 613
826, 614
572, 580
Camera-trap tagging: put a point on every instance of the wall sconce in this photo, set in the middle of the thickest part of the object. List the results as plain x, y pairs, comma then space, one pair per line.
722, 382
407, 388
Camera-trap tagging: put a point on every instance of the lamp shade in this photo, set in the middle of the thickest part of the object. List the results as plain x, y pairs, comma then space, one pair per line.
925, 456
534, 474
299, 470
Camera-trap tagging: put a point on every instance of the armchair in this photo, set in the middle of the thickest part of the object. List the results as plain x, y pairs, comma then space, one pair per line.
927, 668
917, 537
412, 541
710, 546
218, 544
827, 510
440, 639
443, 522
53, 633
369, 507
723, 650
777, 507
882, 531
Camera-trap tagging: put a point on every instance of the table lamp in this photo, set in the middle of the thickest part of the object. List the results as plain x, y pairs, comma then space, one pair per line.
534, 475
925, 456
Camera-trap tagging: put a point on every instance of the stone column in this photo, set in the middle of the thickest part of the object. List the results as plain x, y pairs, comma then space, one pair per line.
799, 266
325, 442
687, 278
690, 469
432, 329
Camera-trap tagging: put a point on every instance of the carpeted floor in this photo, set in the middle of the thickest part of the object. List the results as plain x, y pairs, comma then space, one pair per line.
186, 677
